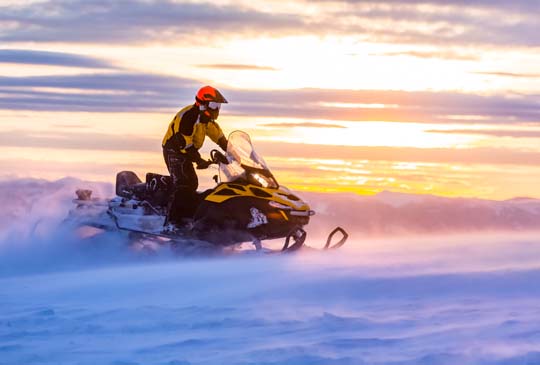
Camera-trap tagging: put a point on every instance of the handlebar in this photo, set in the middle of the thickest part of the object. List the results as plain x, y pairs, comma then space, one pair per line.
217, 157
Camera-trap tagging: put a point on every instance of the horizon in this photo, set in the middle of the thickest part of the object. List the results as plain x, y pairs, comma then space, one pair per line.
207, 183
418, 97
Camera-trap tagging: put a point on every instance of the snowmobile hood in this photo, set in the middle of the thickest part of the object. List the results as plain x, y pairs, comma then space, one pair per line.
281, 198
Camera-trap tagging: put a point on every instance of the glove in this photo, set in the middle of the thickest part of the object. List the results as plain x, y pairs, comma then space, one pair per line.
193, 155
203, 164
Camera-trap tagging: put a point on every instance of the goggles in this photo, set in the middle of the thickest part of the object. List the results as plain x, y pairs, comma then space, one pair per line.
213, 105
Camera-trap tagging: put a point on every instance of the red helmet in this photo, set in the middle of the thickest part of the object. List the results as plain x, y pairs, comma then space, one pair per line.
209, 101
208, 94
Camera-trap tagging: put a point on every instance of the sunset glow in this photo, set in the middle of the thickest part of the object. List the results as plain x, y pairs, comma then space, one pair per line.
419, 97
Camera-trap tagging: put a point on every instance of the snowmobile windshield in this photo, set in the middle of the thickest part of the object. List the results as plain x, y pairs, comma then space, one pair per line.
245, 163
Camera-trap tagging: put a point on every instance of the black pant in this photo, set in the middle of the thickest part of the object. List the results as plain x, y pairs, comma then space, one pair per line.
184, 199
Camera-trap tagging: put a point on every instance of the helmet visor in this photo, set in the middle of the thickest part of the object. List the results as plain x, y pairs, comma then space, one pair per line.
212, 110
214, 106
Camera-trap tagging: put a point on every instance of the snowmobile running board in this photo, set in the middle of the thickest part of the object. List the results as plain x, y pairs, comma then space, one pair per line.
287, 248
298, 236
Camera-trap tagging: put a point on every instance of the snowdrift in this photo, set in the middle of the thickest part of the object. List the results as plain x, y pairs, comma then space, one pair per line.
431, 300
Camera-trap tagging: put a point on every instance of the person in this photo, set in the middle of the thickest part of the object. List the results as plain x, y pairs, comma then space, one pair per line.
183, 139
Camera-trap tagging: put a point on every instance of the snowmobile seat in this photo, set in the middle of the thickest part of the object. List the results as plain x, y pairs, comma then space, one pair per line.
157, 182
158, 188
129, 185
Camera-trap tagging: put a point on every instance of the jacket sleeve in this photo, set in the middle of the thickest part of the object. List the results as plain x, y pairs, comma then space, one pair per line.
222, 143
175, 137
214, 132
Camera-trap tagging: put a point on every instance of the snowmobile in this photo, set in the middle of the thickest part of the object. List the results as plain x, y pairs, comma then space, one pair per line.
246, 205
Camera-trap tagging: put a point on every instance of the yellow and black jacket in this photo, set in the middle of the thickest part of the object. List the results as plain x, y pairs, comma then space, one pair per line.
186, 133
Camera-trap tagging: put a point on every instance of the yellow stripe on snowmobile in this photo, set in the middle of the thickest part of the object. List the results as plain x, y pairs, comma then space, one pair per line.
227, 191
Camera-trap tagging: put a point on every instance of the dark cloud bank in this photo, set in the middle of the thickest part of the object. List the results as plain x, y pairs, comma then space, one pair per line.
446, 23
124, 91
33, 57
124, 21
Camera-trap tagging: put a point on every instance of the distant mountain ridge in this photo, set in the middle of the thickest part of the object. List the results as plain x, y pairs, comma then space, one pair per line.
390, 213
26, 201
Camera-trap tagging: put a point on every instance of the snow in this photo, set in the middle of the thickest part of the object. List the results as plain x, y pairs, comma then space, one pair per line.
426, 300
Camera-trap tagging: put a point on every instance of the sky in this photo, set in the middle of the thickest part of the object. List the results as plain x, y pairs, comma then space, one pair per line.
415, 96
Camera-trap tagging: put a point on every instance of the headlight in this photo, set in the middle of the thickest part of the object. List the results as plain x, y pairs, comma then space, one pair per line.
263, 181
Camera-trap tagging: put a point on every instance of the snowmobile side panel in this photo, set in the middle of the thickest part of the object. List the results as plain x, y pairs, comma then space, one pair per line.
280, 197
249, 214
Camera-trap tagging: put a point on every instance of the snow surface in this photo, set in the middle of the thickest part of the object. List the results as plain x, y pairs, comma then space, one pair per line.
447, 299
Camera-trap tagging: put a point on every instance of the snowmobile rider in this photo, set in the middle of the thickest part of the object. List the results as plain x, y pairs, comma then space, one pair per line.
181, 144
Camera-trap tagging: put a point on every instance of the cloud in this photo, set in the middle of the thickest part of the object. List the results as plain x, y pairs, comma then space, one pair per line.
491, 132
438, 23
102, 169
114, 92
121, 81
517, 5
434, 22
71, 126
481, 155
122, 91
238, 67
113, 142
301, 125
422, 107
101, 21
78, 141
33, 57
508, 74
431, 54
